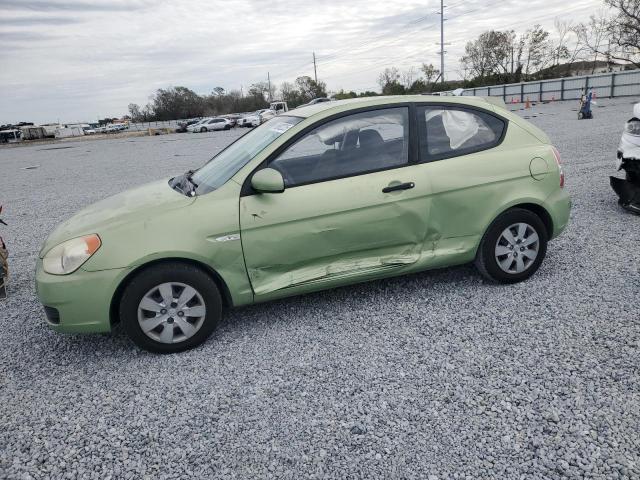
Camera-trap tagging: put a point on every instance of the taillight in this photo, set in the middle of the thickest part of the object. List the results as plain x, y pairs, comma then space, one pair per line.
556, 154
632, 127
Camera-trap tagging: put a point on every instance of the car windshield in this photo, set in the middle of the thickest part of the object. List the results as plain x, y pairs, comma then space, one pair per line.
227, 163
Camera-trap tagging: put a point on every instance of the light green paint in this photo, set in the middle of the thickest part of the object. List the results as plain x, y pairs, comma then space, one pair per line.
308, 238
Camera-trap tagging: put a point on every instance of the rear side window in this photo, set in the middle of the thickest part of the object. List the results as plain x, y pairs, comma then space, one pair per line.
449, 131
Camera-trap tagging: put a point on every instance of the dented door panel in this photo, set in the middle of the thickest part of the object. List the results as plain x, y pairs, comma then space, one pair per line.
325, 231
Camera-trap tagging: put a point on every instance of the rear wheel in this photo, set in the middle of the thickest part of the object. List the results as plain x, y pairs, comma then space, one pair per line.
203, 130
513, 247
170, 307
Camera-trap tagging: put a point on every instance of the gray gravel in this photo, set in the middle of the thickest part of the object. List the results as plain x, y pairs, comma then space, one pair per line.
435, 375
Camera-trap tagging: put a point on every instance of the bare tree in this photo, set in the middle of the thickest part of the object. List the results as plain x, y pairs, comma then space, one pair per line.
594, 35
135, 113
408, 77
537, 49
624, 30
389, 76
560, 46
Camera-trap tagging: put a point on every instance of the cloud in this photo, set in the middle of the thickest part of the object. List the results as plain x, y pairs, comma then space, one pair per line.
29, 21
73, 5
23, 36
76, 59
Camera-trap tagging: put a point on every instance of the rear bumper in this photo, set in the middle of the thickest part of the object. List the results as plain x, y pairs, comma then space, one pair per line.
558, 204
79, 302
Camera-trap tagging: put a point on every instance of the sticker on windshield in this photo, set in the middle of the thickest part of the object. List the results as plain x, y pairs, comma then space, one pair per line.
281, 127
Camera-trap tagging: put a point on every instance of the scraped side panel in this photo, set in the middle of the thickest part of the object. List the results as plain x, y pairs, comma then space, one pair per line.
331, 229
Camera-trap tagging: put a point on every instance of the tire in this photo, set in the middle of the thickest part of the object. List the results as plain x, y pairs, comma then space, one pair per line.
227, 127
499, 260
203, 130
143, 303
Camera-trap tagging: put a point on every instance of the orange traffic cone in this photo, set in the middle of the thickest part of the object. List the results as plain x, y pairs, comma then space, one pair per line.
527, 103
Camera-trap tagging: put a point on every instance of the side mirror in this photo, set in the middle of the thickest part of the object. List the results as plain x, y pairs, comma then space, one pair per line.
268, 180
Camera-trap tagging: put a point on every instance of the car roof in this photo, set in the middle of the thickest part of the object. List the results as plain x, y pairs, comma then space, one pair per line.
348, 104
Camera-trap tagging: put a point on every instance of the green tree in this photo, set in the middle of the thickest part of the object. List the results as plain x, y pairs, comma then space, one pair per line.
175, 103
342, 95
431, 73
490, 54
309, 89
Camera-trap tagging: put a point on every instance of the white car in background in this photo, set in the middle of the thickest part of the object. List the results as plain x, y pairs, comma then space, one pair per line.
214, 124
115, 127
259, 117
196, 126
243, 120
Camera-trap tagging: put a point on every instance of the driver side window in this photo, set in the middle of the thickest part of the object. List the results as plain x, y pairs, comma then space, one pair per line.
352, 145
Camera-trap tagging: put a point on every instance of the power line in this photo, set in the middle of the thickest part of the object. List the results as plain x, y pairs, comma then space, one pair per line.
416, 25
353, 50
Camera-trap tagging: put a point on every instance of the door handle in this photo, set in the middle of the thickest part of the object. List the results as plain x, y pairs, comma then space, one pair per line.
401, 186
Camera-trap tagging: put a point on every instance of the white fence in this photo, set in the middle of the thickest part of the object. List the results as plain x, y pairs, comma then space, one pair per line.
615, 84
146, 125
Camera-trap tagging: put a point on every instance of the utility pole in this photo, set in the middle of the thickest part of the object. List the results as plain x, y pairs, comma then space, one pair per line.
442, 41
315, 67
269, 82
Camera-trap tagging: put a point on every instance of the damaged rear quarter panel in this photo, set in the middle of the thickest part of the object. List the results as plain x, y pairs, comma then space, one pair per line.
470, 191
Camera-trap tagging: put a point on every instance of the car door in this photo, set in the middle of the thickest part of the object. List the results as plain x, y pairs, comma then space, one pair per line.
353, 206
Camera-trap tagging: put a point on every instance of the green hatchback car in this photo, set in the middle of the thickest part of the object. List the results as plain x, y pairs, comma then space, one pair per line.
322, 196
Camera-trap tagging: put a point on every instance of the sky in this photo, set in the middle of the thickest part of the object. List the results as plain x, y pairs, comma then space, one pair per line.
80, 60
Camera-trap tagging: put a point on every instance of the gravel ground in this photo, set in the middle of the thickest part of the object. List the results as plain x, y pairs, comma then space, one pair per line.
435, 375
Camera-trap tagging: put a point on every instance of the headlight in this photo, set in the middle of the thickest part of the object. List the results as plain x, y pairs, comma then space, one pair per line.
632, 127
69, 256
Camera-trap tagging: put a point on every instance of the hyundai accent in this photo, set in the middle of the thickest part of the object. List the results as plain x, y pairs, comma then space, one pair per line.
318, 197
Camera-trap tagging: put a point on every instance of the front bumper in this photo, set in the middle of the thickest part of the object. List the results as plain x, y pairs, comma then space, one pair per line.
629, 193
79, 302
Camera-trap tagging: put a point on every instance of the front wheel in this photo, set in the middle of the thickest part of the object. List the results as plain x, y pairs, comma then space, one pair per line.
170, 307
203, 130
513, 247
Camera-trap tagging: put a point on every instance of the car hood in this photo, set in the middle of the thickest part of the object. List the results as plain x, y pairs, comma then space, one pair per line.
136, 205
